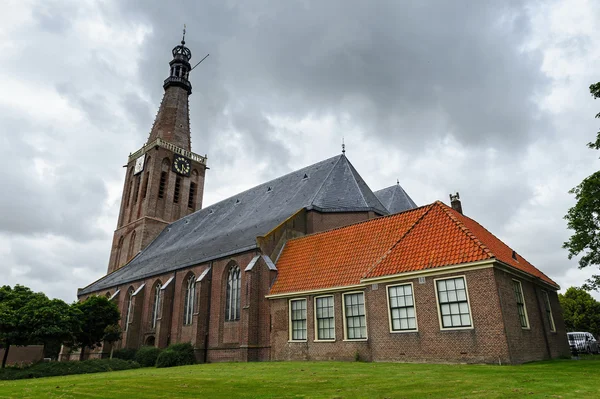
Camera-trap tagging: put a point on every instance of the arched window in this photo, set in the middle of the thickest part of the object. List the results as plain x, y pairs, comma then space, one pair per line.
129, 308
234, 284
188, 303
131, 246
164, 177
119, 249
156, 304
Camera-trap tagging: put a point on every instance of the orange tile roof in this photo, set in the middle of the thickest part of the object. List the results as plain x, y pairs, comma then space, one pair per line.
423, 238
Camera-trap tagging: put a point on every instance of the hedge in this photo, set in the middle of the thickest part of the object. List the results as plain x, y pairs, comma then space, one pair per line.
176, 355
125, 354
51, 369
146, 356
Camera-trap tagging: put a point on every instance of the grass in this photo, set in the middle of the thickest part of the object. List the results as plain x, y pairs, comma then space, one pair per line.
552, 379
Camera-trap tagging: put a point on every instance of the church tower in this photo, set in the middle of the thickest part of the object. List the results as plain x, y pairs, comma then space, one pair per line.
164, 179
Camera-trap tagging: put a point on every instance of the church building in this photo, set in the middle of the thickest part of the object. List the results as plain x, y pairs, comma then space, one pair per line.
313, 265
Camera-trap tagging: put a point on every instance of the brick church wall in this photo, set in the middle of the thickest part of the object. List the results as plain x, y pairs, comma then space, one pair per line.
486, 342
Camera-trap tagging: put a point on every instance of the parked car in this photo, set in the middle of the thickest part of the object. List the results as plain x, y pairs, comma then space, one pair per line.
584, 342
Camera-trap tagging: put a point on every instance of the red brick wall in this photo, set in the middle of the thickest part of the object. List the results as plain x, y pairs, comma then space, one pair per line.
537, 342
485, 342
317, 221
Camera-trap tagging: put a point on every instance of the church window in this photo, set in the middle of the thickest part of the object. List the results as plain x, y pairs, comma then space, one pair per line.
232, 304
145, 189
402, 308
522, 310
191, 198
129, 308
188, 303
325, 318
177, 190
162, 184
298, 319
130, 252
453, 303
128, 193
549, 316
354, 316
137, 188
156, 304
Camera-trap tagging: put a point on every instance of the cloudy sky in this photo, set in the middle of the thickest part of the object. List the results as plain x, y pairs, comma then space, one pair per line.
488, 98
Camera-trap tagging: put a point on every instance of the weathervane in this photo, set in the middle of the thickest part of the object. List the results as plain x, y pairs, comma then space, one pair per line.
343, 146
183, 38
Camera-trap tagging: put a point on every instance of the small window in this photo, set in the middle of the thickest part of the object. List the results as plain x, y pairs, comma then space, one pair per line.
549, 316
356, 322
156, 304
129, 308
191, 198
453, 303
325, 318
177, 189
188, 303
518, 289
298, 319
402, 308
162, 184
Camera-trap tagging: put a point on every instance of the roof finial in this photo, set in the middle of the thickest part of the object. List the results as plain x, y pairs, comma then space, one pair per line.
183, 39
343, 146
398, 182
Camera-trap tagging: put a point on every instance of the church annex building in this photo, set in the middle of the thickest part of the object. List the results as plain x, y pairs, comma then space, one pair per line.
313, 265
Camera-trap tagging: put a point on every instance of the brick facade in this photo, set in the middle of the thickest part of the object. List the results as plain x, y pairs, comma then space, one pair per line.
495, 337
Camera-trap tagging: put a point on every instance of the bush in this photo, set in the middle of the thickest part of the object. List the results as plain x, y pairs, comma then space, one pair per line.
52, 369
176, 355
146, 356
125, 354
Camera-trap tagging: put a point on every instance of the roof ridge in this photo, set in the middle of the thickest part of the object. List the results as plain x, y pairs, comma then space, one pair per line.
377, 262
357, 223
465, 229
354, 173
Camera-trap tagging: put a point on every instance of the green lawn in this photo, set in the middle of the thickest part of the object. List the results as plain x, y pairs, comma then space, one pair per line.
555, 379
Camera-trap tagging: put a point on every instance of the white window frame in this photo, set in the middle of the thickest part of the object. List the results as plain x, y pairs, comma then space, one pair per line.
439, 307
527, 326
316, 322
290, 329
189, 301
414, 305
345, 320
549, 310
130, 293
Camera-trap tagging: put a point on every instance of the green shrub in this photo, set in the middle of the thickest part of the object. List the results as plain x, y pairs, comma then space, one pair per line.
125, 354
176, 355
51, 369
146, 356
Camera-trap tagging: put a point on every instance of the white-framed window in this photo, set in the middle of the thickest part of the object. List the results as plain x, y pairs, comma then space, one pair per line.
401, 306
156, 304
298, 320
324, 318
549, 316
188, 303
521, 308
232, 302
453, 303
129, 308
355, 321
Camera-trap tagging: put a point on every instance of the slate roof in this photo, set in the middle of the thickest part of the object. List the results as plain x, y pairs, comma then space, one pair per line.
395, 199
232, 225
422, 238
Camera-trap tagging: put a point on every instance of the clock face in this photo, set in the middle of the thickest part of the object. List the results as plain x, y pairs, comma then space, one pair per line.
182, 165
139, 164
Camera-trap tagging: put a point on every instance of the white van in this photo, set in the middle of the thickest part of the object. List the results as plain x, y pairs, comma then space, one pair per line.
584, 341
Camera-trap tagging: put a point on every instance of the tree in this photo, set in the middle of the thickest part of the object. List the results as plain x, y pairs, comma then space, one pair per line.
97, 323
28, 317
581, 311
584, 217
